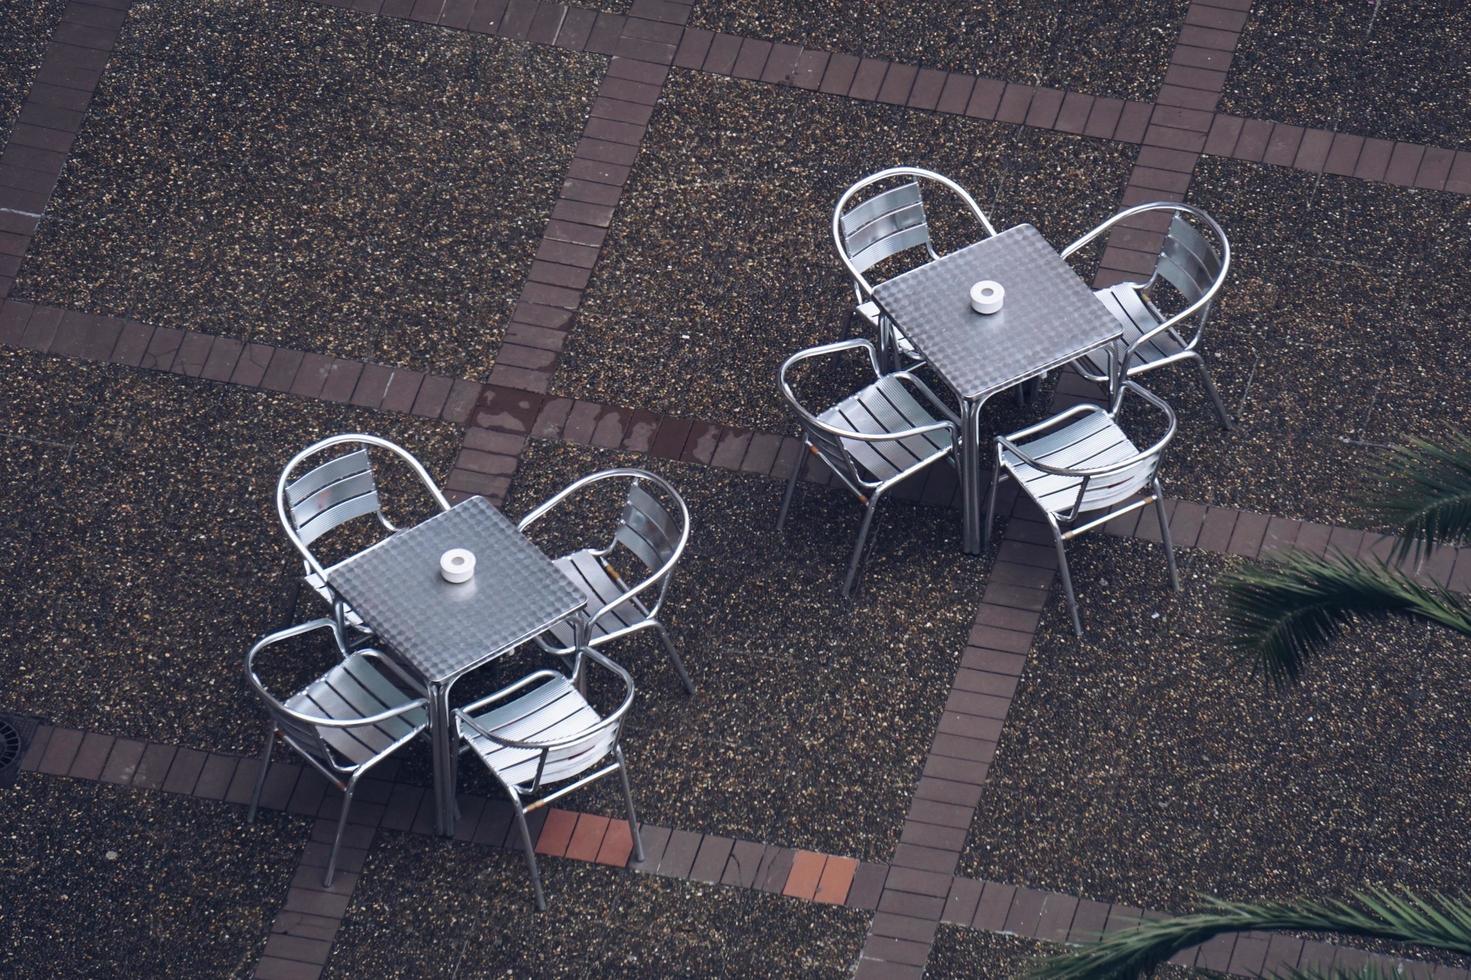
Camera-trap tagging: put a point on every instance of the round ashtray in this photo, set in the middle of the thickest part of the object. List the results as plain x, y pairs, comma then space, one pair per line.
457, 565
987, 296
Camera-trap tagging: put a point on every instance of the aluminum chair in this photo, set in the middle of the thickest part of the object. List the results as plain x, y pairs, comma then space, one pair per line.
885, 225
1195, 268
1082, 462
330, 495
647, 531
873, 439
548, 735
343, 724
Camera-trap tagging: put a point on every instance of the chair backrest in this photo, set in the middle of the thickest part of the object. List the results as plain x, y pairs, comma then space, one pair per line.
338, 490
891, 221
1124, 478
1188, 262
825, 438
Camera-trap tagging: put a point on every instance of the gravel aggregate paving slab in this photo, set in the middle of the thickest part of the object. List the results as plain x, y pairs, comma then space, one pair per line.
431, 909
1146, 764
813, 713
107, 882
26, 26
1339, 330
967, 954
308, 177
1395, 70
1092, 46
720, 262
146, 552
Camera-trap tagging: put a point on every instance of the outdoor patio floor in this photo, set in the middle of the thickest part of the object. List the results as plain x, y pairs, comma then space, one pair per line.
528, 241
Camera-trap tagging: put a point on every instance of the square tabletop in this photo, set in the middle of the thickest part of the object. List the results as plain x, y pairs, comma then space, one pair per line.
1048, 318
439, 630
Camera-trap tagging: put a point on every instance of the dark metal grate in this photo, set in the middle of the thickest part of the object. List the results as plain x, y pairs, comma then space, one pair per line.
16, 732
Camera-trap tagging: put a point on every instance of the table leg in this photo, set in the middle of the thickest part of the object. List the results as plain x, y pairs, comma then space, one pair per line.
444, 780
970, 476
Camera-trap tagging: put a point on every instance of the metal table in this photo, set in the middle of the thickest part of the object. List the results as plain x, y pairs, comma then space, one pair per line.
438, 631
1050, 318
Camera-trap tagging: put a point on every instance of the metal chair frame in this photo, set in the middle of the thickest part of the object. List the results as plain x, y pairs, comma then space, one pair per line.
646, 530
328, 496
307, 734
594, 743
896, 222
1195, 268
1060, 520
824, 440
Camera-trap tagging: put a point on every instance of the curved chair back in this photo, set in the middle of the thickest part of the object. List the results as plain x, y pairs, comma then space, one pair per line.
356, 714
890, 222
646, 529
337, 491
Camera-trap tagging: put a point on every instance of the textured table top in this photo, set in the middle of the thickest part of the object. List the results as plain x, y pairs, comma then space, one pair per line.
1049, 317
439, 630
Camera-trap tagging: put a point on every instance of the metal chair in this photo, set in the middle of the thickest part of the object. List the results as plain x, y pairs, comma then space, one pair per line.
873, 439
343, 724
332, 494
884, 225
654, 538
1196, 269
549, 734
1081, 462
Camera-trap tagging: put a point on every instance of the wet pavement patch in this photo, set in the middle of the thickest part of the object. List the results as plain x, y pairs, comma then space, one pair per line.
107, 882
1092, 46
26, 26
720, 262
426, 908
1145, 764
813, 713
1394, 70
311, 178
142, 552
1339, 330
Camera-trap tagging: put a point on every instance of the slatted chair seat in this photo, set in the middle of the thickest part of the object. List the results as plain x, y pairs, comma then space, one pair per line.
1137, 317
343, 724
1080, 465
884, 408
889, 223
556, 739
651, 532
872, 440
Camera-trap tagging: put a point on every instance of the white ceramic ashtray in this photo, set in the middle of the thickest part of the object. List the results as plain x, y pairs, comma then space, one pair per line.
457, 565
987, 296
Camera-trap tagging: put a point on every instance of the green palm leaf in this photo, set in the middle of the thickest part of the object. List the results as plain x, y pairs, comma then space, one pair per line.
1282, 613
1439, 921
1427, 493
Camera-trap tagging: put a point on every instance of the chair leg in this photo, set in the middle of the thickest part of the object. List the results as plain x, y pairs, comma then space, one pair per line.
337, 839
684, 675
991, 507
541, 902
1067, 582
1164, 534
786, 499
857, 559
263, 767
638, 840
1212, 393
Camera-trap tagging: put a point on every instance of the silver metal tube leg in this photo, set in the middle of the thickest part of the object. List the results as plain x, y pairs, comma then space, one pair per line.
1067, 582
1164, 534
262, 768
444, 789
991, 506
970, 494
786, 499
1212, 393
638, 840
337, 840
541, 902
857, 558
684, 675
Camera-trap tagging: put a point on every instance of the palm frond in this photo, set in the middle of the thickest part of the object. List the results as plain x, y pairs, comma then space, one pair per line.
1439, 921
1282, 613
1427, 493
